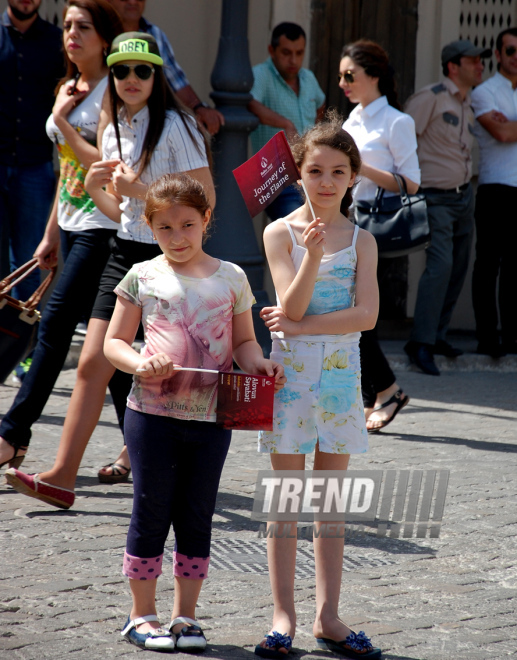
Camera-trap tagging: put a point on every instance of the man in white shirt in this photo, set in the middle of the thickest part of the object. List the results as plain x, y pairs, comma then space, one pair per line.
495, 107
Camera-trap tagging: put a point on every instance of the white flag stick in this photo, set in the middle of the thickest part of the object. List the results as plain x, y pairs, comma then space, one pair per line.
206, 371
308, 200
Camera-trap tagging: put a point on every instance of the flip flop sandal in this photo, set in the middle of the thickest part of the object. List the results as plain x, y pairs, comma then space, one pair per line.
117, 476
274, 642
356, 645
397, 398
190, 639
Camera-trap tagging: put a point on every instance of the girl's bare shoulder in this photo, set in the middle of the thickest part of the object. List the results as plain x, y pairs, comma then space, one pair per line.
277, 229
366, 241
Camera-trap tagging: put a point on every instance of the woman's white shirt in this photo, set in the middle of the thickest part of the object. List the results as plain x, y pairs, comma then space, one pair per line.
176, 151
76, 210
386, 139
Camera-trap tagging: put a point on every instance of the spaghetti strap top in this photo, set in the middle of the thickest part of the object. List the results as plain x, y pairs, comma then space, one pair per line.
334, 288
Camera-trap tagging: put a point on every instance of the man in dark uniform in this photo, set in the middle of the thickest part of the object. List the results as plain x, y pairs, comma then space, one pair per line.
31, 64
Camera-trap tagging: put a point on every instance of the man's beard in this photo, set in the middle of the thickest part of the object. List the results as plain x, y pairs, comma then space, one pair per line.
22, 16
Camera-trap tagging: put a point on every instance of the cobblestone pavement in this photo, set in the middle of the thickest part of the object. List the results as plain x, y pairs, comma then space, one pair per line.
63, 595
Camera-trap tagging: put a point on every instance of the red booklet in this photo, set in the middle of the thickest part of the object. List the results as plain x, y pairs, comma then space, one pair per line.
245, 401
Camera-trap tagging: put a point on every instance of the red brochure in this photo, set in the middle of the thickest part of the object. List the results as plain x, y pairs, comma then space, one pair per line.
245, 401
266, 174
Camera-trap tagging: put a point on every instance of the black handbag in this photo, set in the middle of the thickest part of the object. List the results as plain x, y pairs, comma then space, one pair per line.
19, 320
399, 223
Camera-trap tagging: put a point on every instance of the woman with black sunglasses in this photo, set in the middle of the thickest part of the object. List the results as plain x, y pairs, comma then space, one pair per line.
75, 224
150, 134
387, 143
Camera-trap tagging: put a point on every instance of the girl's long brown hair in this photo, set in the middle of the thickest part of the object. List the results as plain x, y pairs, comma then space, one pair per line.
162, 99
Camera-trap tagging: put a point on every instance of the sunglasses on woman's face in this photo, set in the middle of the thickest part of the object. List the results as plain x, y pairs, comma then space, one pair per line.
510, 51
347, 75
142, 71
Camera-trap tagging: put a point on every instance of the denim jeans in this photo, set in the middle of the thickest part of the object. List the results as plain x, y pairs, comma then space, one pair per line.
72, 299
26, 196
288, 201
451, 219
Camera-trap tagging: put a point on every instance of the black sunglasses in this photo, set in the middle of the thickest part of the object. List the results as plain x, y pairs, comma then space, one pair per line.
142, 71
348, 76
510, 51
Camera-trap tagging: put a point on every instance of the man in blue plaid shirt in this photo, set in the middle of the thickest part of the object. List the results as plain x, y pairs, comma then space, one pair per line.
131, 14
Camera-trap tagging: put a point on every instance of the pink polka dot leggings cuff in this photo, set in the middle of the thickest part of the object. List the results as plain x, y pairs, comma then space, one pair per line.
194, 568
137, 568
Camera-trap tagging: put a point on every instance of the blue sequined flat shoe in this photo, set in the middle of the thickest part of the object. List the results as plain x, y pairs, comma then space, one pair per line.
356, 645
274, 642
154, 640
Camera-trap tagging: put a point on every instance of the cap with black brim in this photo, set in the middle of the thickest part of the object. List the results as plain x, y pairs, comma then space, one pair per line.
135, 46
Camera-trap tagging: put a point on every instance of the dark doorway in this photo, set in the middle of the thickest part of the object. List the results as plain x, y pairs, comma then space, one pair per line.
392, 24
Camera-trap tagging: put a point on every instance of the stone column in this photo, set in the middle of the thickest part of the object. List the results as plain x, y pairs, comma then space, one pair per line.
233, 238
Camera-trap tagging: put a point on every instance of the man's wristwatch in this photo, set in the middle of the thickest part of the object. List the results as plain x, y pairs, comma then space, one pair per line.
199, 105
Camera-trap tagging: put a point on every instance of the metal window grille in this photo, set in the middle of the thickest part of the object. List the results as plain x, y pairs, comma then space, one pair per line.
482, 20
52, 10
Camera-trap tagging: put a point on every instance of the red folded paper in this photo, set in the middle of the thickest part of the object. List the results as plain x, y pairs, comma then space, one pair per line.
245, 401
263, 177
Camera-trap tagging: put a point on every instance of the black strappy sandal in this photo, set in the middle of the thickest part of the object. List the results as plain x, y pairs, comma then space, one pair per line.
119, 474
400, 399
16, 460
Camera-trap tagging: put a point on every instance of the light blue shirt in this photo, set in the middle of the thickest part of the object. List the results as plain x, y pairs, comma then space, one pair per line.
498, 160
271, 90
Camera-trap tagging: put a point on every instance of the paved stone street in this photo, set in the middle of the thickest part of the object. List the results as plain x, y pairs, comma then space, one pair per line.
63, 595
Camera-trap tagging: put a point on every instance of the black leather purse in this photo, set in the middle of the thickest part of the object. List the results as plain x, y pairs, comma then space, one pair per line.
399, 222
19, 320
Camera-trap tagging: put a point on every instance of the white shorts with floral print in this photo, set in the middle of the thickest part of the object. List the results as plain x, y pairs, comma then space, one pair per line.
321, 401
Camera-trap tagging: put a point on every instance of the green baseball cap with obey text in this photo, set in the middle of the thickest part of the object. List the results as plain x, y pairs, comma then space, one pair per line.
137, 46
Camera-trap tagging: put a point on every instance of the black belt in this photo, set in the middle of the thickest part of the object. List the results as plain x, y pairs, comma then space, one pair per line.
458, 189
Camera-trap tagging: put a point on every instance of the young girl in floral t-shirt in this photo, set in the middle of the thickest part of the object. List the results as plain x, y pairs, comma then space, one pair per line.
196, 312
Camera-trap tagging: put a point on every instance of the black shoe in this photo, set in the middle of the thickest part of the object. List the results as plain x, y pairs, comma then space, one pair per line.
494, 349
422, 356
509, 347
444, 348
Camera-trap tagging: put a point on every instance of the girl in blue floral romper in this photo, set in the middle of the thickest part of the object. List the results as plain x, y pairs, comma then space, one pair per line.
324, 272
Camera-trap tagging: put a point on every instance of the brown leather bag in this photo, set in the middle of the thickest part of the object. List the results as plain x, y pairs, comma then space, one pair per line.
19, 320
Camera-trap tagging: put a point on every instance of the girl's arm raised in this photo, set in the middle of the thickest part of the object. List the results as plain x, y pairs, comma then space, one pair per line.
64, 104
98, 183
294, 289
247, 352
354, 319
119, 337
